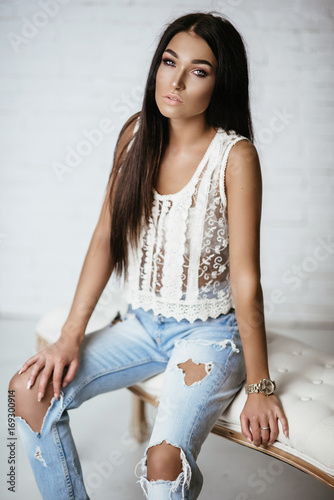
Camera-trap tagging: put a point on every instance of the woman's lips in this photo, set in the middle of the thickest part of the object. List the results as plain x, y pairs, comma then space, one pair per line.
172, 99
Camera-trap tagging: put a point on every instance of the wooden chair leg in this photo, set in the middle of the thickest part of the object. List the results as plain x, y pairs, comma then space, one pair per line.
139, 427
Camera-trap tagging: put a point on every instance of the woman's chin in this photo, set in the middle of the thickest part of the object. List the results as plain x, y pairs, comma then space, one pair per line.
168, 113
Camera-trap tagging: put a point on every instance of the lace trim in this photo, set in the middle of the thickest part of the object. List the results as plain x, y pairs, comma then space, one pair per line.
203, 309
148, 249
157, 259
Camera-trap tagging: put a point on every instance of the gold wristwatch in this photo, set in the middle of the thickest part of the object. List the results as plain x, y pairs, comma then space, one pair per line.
265, 386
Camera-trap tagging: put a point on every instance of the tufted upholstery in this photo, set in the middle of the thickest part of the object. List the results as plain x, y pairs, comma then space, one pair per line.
304, 377
305, 381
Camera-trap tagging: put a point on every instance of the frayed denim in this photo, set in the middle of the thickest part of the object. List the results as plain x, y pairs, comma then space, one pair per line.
120, 355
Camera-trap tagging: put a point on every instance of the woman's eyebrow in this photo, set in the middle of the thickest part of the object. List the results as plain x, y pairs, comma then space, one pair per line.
194, 61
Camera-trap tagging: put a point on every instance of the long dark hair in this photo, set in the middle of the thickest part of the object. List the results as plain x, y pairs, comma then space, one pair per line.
135, 174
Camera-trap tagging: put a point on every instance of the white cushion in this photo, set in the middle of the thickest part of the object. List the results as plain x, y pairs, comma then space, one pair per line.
305, 382
304, 378
50, 324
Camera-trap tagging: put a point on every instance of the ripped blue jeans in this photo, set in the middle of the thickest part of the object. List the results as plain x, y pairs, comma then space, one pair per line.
120, 355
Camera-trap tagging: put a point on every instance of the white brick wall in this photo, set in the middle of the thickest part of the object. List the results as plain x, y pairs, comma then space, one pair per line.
86, 66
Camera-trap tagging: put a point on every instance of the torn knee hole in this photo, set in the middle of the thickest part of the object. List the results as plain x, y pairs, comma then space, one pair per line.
38, 421
194, 373
183, 479
163, 462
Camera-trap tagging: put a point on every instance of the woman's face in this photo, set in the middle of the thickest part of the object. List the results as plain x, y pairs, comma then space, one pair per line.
186, 77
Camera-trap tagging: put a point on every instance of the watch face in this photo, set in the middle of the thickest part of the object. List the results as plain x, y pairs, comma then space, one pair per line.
266, 386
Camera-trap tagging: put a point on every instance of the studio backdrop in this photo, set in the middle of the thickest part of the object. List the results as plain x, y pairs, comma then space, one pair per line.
73, 71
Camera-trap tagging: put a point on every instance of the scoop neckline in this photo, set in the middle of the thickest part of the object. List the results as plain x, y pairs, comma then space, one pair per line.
191, 180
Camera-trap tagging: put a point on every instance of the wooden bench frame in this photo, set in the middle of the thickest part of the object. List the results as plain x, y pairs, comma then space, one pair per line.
140, 431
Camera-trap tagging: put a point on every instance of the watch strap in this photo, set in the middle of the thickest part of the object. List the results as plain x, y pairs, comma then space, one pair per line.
255, 388
252, 388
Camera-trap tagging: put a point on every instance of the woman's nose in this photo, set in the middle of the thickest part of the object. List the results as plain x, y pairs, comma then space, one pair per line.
178, 81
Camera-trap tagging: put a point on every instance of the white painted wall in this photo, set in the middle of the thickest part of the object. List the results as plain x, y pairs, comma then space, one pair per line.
70, 67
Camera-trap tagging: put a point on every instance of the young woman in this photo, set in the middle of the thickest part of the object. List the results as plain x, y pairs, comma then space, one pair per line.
181, 223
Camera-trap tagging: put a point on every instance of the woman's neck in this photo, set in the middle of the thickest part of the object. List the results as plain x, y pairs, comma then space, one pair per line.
185, 133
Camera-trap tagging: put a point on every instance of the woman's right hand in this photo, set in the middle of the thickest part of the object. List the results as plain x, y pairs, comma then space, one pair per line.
62, 354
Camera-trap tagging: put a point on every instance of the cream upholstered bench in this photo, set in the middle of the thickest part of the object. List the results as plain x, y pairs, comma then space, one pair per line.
305, 380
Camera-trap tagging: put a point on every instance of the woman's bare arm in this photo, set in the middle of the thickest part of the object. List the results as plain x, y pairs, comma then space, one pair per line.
95, 273
97, 267
244, 195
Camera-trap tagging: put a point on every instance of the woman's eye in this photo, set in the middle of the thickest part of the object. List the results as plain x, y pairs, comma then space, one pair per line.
200, 72
168, 62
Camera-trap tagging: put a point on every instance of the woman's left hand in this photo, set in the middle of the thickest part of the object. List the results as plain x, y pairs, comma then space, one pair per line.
262, 411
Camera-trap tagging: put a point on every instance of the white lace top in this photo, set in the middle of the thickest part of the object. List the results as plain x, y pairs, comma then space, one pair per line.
181, 266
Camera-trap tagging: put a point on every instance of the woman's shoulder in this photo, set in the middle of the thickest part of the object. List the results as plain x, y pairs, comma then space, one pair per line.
243, 164
243, 149
126, 135
129, 127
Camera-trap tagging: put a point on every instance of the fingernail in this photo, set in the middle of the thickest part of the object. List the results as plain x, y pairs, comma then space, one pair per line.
286, 433
249, 439
56, 395
20, 371
29, 384
40, 395
64, 384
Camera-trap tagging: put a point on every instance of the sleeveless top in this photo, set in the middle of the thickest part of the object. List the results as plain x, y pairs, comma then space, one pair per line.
180, 268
